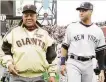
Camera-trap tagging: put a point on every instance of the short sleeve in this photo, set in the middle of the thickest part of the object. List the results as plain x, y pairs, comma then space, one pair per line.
102, 40
66, 40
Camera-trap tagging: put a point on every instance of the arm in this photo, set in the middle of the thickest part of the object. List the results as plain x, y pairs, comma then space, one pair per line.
7, 59
64, 53
100, 58
1, 51
100, 62
65, 46
100, 53
64, 50
50, 57
51, 54
6, 48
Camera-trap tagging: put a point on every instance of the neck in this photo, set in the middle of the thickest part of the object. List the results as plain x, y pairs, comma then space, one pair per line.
30, 28
87, 22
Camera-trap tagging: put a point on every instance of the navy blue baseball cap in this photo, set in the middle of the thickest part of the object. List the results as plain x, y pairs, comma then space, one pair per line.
31, 8
85, 5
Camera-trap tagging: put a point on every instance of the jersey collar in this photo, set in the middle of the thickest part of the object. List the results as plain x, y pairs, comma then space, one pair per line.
85, 24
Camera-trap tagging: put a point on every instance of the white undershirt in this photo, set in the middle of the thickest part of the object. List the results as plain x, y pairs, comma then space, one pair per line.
31, 33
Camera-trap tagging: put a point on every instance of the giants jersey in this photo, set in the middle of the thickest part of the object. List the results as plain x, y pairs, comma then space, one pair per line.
82, 40
28, 50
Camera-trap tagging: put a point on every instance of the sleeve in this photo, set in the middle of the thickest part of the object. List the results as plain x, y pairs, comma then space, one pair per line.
102, 40
51, 54
52, 66
1, 51
100, 51
66, 40
49, 40
6, 48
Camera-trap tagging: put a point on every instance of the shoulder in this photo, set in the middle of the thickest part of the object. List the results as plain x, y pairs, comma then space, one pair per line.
9, 33
73, 25
97, 28
46, 34
17, 27
12, 29
41, 30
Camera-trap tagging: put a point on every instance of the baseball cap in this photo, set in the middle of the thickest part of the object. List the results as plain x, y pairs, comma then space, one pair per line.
85, 5
29, 8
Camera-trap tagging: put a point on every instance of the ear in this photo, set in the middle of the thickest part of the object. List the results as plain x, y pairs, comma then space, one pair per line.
90, 12
37, 14
22, 16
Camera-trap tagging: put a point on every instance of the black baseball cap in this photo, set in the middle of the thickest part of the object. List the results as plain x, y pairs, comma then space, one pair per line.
85, 5
31, 8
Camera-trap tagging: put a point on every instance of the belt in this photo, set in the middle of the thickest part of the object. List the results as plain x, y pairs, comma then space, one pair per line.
81, 58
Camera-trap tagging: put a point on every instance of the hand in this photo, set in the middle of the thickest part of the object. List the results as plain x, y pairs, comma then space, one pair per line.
63, 69
12, 69
52, 79
101, 76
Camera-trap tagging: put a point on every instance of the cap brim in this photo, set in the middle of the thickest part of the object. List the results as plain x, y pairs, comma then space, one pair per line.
79, 8
28, 11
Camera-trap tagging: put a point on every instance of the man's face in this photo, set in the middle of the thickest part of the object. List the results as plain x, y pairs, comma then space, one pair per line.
84, 14
29, 19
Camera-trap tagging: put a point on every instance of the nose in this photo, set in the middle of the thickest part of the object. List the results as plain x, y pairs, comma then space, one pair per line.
81, 14
29, 17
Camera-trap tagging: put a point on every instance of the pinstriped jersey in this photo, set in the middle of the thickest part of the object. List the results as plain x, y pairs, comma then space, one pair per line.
82, 40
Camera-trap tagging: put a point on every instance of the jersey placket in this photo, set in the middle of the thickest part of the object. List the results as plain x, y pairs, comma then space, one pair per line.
35, 32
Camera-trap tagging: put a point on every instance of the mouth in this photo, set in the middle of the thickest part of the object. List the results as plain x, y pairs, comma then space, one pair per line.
29, 22
81, 16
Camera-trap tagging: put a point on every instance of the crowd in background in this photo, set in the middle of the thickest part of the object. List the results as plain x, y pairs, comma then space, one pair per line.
56, 32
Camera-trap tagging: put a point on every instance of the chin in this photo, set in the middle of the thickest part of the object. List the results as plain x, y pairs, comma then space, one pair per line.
82, 19
30, 25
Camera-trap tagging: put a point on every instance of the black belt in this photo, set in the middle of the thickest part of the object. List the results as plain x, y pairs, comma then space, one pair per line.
81, 58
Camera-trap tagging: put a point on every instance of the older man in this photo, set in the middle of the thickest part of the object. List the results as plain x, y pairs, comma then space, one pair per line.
29, 50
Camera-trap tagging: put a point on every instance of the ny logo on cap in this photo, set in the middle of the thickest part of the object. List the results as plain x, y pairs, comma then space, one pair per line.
82, 4
28, 6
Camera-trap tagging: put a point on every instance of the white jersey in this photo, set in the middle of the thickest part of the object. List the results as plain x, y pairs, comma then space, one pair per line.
83, 40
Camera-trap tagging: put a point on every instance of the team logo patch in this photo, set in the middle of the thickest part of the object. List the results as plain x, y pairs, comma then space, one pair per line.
39, 35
